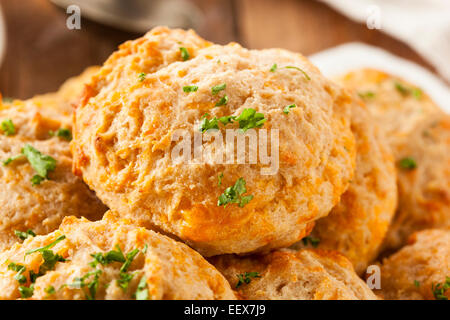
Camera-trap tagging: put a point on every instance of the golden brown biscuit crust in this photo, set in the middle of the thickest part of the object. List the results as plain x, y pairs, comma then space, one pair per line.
40, 208
424, 191
414, 272
171, 269
295, 275
124, 126
357, 226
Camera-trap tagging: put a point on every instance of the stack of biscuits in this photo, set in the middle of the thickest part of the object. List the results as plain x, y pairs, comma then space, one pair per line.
100, 202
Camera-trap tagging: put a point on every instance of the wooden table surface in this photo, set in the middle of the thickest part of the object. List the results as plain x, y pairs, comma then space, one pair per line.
41, 52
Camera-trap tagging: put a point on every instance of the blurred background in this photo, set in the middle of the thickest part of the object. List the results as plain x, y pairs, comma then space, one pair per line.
40, 52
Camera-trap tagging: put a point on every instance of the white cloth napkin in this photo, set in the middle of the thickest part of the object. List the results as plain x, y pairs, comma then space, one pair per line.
423, 24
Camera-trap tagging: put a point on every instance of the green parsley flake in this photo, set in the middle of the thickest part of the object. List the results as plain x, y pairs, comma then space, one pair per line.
401, 88
288, 108
124, 280
405, 91
36, 180
417, 93
208, 124
298, 69
8, 127
417, 283
142, 290
107, 258
216, 89
47, 247
9, 160
50, 290
246, 278
250, 119
223, 101
20, 269
92, 285
26, 292
129, 259
220, 179
50, 260
142, 76
184, 53
274, 68
42, 164
440, 289
408, 163
22, 235
144, 250
64, 134
190, 88
311, 240
366, 95
234, 194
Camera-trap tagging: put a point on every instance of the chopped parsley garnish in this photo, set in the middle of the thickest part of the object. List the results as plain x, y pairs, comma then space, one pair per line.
190, 88
208, 124
142, 76
50, 260
16, 267
125, 277
9, 160
417, 93
129, 259
366, 95
405, 91
401, 88
142, 290
223, 101
36, 180
20, 269
417, 283
107, 258
440, 289
246, 278
311, 240
144, 250
64, 134
124, 280
234, 194
216, 89
22, 235
226, 120
8, 127
250, 119
274, 68
26, 292
220, 179
92, 285
289, 107
50, 290
184, 53
298, 69
47, 247
42, 164
408, 163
